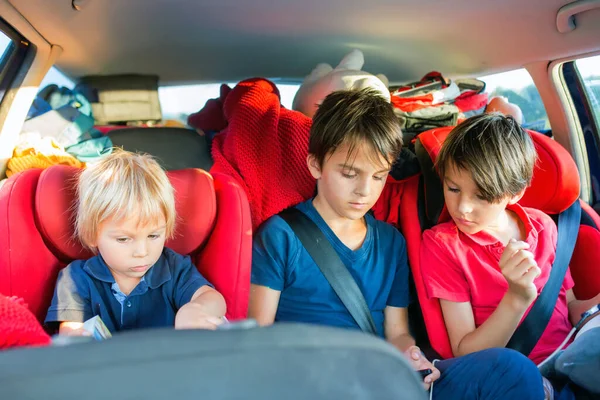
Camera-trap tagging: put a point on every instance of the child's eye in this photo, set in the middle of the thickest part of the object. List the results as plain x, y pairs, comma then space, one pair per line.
122, 240
453, 190
348, 176
378, 178
480, 197
154, 236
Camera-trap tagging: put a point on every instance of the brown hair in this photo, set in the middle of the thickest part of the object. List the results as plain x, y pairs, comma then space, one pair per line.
354, 117
497, 152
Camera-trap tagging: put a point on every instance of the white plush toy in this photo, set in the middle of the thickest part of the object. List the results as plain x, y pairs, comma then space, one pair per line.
347, 75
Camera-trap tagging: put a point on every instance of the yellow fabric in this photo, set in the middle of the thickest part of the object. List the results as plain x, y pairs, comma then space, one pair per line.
39, 152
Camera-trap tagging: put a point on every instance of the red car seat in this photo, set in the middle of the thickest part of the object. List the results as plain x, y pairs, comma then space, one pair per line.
555, 186
213, 227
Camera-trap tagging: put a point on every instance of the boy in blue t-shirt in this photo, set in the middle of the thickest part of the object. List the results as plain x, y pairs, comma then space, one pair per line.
354, 140
125, 213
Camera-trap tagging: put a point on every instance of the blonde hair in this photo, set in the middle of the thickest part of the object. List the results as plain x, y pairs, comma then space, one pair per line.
123, 184
497, 152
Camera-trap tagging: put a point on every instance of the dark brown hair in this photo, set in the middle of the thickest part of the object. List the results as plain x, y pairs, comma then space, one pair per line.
354, 117
495, 150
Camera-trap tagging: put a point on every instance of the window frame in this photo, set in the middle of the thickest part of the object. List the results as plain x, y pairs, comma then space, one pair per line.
10, 67
589, 125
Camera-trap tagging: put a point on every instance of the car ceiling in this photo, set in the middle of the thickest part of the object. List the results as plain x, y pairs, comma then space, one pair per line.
186, 41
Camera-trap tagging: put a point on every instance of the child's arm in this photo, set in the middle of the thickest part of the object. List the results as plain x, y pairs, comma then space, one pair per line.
398, 334
204, 311
519, 269
263, 304
70, 304
274, 247
578, 307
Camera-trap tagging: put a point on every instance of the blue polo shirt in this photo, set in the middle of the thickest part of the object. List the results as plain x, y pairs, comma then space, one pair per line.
86, 288
379, 266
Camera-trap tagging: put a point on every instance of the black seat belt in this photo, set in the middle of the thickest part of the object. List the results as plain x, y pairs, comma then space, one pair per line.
530, 330
331, 266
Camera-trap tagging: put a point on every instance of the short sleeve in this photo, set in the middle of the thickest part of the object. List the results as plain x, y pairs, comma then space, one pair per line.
442, 276
399, 293
273, 246
187, 279
71, 300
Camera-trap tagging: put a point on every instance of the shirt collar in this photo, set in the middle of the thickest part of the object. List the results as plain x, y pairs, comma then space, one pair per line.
531, 230
157, 275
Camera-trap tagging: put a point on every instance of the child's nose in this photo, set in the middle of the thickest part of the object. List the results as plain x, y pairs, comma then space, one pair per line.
464, 206
141, 249
364, 187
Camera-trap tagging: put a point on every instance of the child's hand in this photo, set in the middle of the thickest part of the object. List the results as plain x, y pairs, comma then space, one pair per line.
418, 361
72, 329
193, 316
519, 268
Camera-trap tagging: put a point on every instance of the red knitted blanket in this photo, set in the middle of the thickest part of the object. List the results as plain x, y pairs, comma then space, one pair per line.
18, 325
264, 146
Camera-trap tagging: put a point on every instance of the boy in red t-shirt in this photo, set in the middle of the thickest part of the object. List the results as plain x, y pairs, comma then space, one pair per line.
490, 262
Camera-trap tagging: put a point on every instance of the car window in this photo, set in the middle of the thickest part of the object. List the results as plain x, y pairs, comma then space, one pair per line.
518, 87
177, 102
589, 70
54, 76
5, 46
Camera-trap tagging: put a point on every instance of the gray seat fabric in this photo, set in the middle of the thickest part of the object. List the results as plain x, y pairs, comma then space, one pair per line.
284, 361
174, 148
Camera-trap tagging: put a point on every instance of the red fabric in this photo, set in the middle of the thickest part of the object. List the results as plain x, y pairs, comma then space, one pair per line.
410, 104
459, 267
410, 227
585, 268
211, 118
28, 269
264, 147
105, 129
471, 101
37, 238
56, 193
230, 243
555, 183
18, 326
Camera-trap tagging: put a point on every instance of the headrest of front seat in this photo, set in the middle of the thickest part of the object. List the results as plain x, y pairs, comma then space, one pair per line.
195, 202
555, 183
173, 148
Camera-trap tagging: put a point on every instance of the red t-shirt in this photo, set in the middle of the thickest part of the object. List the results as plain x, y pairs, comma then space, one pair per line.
460, 267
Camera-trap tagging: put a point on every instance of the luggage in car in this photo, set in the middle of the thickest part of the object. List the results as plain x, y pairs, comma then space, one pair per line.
117, 99
285, 361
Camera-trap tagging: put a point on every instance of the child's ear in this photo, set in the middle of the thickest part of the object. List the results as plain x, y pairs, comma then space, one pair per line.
515, 199
313, 166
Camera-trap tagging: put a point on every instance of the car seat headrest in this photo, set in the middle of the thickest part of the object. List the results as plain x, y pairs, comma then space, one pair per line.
555, 183
195, 202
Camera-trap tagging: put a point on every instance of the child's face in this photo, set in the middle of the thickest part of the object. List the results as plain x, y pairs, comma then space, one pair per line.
349, 190
468, 209
129, 248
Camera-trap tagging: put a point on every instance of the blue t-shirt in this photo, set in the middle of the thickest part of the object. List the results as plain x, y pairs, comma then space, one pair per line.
86, 288
379, 266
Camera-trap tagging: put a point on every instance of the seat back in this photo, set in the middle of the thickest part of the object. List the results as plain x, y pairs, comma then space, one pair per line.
173, 148
213, 227
555, 186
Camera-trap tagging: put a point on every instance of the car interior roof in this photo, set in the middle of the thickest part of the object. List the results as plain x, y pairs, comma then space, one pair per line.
185, 41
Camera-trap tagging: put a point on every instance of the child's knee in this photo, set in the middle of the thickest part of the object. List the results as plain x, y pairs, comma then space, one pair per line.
512, 362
